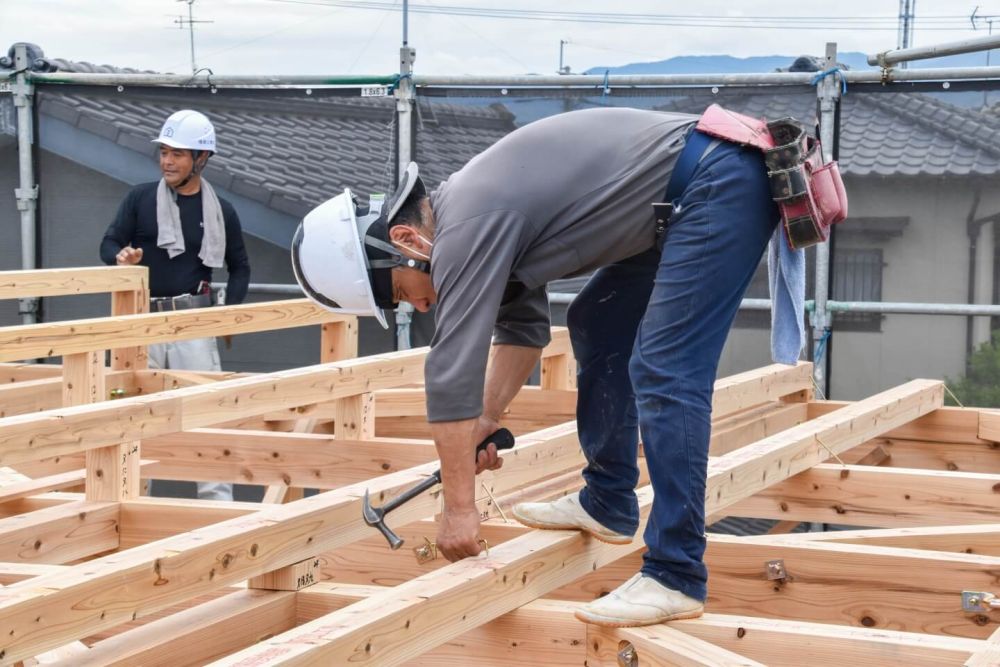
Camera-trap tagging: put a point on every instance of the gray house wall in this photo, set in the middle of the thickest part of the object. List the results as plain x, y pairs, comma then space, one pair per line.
929, 262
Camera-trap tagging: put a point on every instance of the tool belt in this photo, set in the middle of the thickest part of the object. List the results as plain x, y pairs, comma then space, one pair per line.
809, 193
201, 299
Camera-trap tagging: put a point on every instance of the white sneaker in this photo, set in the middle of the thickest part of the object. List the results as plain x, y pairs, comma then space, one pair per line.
641, 600
566, 514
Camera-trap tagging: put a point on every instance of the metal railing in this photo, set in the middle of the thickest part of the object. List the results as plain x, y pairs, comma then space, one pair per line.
406, 85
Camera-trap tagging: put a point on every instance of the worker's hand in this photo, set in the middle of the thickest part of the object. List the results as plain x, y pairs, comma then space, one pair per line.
129, 255
488, 459
458, 534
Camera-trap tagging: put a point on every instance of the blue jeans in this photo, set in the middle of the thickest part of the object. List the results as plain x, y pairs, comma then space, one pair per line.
647, 333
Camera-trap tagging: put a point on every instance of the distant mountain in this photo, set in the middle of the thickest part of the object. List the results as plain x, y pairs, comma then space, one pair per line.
528, 108
757, 64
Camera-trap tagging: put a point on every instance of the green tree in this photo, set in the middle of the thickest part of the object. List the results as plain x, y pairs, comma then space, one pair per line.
980, 387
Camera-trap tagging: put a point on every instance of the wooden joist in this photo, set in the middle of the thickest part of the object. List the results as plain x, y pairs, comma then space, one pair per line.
878, 497
61, 338
79, 280
77, 429
395, 626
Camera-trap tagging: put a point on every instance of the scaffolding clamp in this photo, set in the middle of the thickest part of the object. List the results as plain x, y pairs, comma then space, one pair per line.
25, 196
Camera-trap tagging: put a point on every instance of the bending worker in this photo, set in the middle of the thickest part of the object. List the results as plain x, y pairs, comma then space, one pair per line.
181, 230
563, 196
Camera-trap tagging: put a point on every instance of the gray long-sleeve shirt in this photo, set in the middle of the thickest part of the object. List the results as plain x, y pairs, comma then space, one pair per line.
559, 197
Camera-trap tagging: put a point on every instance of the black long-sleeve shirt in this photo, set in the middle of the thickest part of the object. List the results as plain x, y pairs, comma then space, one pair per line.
135, 225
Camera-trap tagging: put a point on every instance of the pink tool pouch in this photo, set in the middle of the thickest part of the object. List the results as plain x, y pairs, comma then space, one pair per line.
809, 193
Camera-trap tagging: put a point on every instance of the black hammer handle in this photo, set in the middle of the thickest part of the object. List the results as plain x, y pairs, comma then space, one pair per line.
501, 437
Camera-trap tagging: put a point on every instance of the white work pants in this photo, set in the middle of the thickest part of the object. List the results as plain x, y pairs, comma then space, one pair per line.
201, 354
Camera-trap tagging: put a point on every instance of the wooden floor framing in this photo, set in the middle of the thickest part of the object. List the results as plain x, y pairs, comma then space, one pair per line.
93, 572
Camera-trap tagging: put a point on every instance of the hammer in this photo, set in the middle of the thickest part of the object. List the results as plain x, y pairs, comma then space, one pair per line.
375, 516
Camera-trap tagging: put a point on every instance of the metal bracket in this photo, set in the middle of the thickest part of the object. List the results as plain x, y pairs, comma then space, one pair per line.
27, 306
627, 655
25, 197
776, 570
979, 601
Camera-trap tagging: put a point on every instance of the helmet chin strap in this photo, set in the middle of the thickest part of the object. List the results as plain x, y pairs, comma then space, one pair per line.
397, 258
195, 169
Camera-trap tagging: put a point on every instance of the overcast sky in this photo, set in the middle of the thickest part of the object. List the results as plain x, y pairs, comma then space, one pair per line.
310, 36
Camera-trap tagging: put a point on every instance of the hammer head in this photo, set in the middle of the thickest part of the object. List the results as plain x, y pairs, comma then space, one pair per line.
375, 517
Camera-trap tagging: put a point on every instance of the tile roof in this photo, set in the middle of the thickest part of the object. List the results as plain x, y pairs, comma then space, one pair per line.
285, 149
888, 134
286, 152
291, 151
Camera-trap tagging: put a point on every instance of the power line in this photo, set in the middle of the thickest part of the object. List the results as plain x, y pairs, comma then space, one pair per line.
862, 23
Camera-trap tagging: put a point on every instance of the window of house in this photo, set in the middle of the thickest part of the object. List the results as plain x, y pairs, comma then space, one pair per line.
857, 276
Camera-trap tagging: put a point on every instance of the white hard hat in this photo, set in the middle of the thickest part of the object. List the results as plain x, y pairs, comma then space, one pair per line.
188, 129
341, 253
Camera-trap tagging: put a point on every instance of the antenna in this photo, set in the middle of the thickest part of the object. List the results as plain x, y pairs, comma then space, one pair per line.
189, 22
907, 15
988, 19
566, 69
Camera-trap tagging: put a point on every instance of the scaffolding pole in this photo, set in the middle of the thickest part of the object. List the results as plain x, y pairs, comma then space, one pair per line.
889, 58
206, 80
27, 193
405, 96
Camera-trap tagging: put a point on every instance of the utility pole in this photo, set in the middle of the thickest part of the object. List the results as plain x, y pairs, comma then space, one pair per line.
988, 19
907, 15
189, 22
566, 69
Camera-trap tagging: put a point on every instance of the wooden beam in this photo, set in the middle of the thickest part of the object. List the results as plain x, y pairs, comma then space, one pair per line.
32, 487
76, 429
747, 470
59, 534
745, 390
542, 632
878, 497
657, 646
987, 656
909, 590
989, 425
132, 302
76, 280
112, 471
148, 519
62, 338
11, 573
265, 457
165, 572
338, 340
738, 430
29, 396
780, 642
983, 539
199, 634
394, 626
941, 425
981, 457
26, 372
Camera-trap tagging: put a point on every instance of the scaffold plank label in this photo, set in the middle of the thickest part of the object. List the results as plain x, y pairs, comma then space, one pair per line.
374, 91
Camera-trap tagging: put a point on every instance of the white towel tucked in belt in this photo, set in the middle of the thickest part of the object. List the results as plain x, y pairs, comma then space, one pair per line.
170, 235
786, 276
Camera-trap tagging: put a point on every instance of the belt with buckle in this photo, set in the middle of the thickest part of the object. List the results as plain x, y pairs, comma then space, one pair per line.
181, 302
